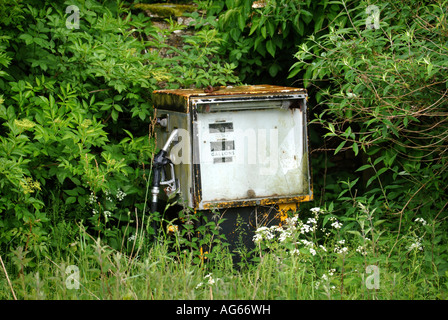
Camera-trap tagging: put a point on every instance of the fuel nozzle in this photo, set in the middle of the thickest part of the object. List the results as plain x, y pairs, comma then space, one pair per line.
160, 160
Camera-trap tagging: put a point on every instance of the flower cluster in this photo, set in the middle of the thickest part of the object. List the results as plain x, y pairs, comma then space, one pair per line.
362, 250
417, 245
421, 220
24, 124
29, 186
120, 195
92, 198
309, 245
291, 232
209, 280
339, 248
325, 281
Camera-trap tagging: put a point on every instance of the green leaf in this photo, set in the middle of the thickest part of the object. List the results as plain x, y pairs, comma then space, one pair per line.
340, 146
241, 22
381, 171
355, 148
118, 108
254, 26
73, 192
370, 181
271, 28
114, 115
70, 200
263, 31
364, 167
274, 69
270, 47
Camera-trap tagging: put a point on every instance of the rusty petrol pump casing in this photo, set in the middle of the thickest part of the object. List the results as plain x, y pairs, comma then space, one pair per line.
241, 151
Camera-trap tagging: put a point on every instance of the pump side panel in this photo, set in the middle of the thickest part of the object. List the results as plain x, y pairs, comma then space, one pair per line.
180, 151
252, 154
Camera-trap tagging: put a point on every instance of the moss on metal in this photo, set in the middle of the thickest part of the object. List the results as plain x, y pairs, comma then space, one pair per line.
165, 10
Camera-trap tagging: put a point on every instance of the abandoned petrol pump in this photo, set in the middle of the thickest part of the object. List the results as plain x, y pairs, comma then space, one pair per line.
242, 151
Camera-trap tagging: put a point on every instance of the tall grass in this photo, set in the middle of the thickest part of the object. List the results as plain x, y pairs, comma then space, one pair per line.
285, 267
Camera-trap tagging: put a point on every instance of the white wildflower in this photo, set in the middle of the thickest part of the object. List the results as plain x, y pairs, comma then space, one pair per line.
295, 252
120, 195
336, 225
416, 245
307, 243
421, 220
316, 210
257, 238
305, 228
210, 280
269, 235
292, 221
92, 198
340, 250
284, 235
361, 250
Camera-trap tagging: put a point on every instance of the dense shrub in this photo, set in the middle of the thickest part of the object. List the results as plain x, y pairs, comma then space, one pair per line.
261, 37
381, 86
75, 113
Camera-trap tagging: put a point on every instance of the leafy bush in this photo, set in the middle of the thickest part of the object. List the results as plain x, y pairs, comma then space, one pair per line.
76, 115
260, 37
382, 97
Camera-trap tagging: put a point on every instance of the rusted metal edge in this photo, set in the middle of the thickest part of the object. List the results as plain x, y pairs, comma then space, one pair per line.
178, 99
255, 202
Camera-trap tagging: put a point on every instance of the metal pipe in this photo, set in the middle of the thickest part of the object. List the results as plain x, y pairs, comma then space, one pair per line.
171, 138
160, 160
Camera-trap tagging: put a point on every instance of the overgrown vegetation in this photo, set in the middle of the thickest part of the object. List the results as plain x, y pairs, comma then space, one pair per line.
76, 144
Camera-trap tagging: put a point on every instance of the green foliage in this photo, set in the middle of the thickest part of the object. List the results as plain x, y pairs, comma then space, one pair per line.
317, 256
261, 36
381, 94
196, 63
76, 115
76, 145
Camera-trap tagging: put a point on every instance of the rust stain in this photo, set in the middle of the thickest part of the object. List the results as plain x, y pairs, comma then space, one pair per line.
283, 209
230, 90
179, 99
263, 202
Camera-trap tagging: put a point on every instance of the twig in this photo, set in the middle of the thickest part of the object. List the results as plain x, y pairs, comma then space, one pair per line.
100, 90
7, 278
